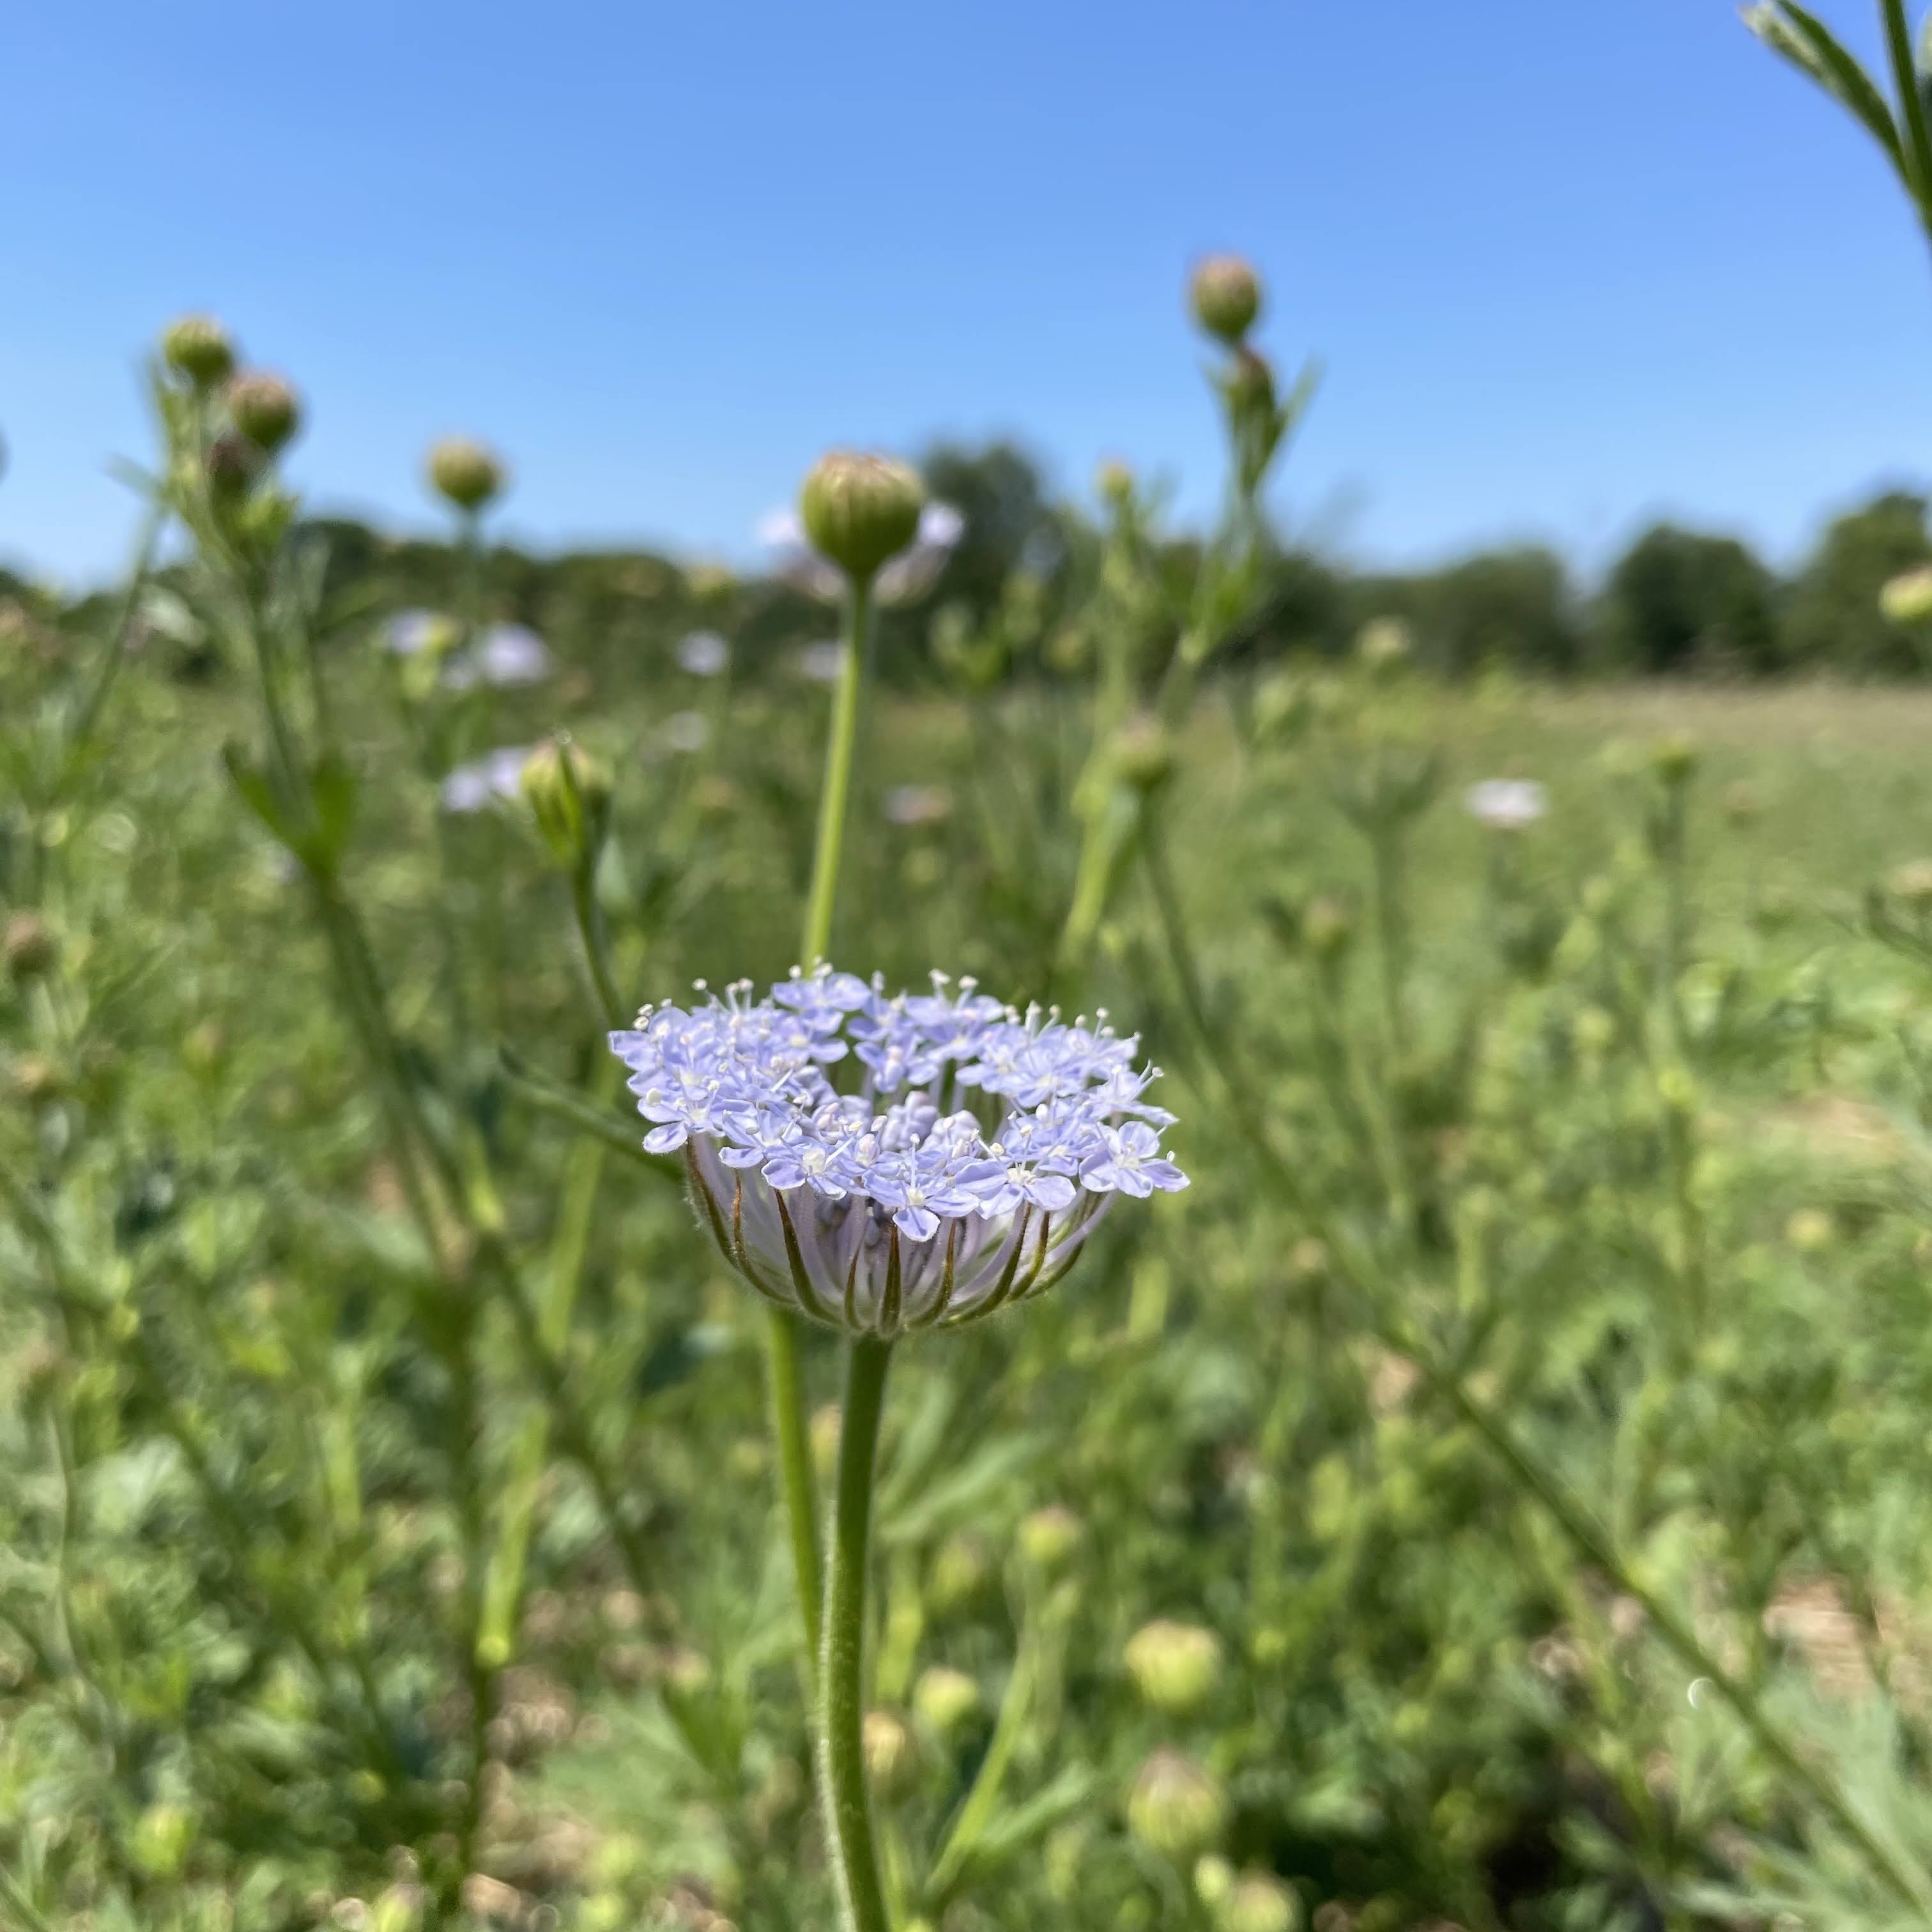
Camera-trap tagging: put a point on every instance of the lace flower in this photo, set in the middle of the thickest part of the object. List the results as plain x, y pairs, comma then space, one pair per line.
886, 1162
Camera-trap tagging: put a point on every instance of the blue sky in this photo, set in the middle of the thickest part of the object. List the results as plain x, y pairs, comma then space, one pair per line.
1567, 265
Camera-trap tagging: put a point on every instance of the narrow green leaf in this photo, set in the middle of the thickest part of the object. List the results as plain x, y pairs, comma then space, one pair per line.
1805, 41
1918, 167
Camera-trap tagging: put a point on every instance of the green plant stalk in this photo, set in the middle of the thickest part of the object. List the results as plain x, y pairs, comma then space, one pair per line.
846, 1804
503, 1590
791, 1432
982, 1800
1391, 935
95, 702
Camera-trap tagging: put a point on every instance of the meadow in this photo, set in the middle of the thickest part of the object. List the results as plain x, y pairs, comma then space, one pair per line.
1354, 1354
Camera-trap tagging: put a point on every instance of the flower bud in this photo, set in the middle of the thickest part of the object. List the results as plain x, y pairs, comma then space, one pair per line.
1809, 1230
1912, 884
962, 1569
1907, 598
1226, 296
1743, 804
1258, 1902
892, 1755
570, 805
264, 407
1384, 645
197, 347
1049, 1536
29, 946
1143, 754
1674, 758
1174, 1667
1214, 1879
1176, 1808
1113, 482
946, 1698
859, 510
233, 463
465, 473
1327, 926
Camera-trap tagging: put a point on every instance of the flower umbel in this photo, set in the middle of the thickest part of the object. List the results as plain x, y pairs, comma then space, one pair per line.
975, 1150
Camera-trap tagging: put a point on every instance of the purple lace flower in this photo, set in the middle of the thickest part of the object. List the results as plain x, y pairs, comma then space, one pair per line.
966, 1153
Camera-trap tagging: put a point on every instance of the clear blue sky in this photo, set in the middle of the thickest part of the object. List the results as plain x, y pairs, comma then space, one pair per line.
1567, 265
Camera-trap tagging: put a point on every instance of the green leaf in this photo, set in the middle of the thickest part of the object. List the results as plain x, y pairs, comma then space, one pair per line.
1805, 41
334, 786
252, 783
1917, 166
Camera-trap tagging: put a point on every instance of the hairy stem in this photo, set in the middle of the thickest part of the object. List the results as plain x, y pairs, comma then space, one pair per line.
841, 1758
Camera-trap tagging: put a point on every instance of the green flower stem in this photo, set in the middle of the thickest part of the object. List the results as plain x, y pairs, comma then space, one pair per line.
791, 1433
95, 701
841, 1757
836, 790
503, 1590
982, 1800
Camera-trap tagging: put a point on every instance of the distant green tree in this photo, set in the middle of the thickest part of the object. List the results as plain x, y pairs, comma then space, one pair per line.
1680, 600
1834, 621
1513, 606
1009, 523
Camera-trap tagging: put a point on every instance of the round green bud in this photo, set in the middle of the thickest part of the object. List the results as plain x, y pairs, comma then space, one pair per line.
264, 408
1258, 1902
1809, 1230
892, 1754
1743, 804
465, 472
859, 510
1328, 926
1214, 1879
233, 463
1385, 644
1674, 758
1226, 296
568, 793
1174, 1667
1176, 1808
198, 347
29, 945
961, 1568
1113, 482
946, 1698
1907, 598
1143, 754
1049, 1536
1912, 884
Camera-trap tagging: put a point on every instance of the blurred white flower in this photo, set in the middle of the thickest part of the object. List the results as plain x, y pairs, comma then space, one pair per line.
497, 774
410, 631
704, 654
506, 655
918, 805
687, 730
1507, 804
822, 662
780, 530
940, 523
